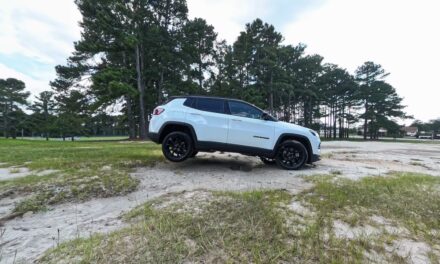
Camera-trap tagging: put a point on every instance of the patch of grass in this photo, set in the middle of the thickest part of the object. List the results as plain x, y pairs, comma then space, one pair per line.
233, 227
250, 227
408, 198
328, 155
14, 170
82, 170
259, 227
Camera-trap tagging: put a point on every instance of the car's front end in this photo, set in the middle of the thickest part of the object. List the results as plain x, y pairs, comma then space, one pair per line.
307, 136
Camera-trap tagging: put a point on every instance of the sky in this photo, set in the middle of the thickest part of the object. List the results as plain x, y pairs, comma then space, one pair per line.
401, 35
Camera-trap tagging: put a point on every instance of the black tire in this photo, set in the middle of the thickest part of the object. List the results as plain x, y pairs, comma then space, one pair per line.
177, 146
267, 161
291, 155
194, 153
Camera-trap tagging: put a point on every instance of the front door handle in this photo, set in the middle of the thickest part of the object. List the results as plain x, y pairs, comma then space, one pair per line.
236, 120
195, 114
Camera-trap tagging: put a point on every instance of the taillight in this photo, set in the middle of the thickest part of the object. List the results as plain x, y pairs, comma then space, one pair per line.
158, 111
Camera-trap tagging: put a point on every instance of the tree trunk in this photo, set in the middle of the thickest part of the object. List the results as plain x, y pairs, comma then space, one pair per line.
334, 122
141, 89
160, 89
5, 121
128, 99
271, 95
130, 118
366, 121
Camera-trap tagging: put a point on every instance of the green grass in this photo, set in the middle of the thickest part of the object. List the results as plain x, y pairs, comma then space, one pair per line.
410, 199
102, 138
240, 228
258, 227
81, 170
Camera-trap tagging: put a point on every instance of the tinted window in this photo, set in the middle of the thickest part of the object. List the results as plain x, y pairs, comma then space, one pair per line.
244, 110
189, 102
211, 105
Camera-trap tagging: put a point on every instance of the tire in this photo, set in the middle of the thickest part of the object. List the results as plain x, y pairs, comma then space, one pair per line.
177, 146
194, 153
267, 161
291, 155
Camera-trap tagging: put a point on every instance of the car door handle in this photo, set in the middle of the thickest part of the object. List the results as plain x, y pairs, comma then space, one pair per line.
195, 114
236, 120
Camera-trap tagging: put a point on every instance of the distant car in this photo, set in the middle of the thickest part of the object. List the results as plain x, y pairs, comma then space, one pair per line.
425, 135
189, 124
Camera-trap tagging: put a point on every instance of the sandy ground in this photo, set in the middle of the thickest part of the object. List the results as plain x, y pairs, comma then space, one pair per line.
26, 238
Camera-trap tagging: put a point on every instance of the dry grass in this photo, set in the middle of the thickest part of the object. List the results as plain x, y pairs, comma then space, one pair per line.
263, 227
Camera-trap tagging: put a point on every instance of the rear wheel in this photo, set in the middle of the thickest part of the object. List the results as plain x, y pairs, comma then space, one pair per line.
291, 155
177, 146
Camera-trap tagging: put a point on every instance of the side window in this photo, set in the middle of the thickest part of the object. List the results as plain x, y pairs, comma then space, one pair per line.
189, 102
211, 105
244, 110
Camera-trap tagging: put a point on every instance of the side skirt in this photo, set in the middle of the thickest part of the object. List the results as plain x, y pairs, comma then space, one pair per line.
216, 146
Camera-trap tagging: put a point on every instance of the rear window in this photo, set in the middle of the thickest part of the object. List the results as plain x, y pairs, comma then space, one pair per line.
211, 105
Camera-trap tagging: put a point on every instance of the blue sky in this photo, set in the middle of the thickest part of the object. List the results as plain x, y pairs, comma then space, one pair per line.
402, 35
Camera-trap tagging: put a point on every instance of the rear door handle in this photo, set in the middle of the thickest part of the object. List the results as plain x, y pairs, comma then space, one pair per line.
236, 120
195, 114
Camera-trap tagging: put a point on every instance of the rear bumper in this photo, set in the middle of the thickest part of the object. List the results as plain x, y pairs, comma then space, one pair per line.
154, 137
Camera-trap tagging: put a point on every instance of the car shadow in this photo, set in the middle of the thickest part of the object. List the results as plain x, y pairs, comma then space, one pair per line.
211, 162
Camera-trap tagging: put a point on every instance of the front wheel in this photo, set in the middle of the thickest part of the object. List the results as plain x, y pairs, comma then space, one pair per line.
291, 155
177, 146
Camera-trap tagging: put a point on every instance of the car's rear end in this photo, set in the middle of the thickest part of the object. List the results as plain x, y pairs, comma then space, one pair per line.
171, 110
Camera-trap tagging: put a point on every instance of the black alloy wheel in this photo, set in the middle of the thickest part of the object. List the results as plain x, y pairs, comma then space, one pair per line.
177, 146
291, 155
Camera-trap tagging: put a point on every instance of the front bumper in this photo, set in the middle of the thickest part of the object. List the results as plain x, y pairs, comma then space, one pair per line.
154, 137
315, 158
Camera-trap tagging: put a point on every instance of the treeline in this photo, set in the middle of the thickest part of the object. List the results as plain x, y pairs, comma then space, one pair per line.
48, 117
135, 54
432, 126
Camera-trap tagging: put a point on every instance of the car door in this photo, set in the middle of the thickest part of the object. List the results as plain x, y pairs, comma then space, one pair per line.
246, 127
209, 120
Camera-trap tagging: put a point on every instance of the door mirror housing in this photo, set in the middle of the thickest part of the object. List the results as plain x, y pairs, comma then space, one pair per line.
266, 116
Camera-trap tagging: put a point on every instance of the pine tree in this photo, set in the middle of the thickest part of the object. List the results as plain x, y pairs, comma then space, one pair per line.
43, 108
12, 96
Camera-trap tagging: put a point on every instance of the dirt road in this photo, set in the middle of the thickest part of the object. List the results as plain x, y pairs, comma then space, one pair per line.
26, 238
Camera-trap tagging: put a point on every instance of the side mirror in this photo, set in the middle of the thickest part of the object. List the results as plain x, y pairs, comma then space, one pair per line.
266, 116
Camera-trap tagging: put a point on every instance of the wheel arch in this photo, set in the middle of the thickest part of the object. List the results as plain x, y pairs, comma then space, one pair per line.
169, 127
300, 138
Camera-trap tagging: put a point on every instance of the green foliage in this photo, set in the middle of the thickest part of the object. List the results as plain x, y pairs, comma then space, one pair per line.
12, 96
136, 54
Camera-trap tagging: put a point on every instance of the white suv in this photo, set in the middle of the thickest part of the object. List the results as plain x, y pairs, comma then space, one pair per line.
189, 124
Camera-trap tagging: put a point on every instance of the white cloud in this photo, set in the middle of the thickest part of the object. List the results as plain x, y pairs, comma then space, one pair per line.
43, 29
33, 85
228, 16
402, 35
36, 36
